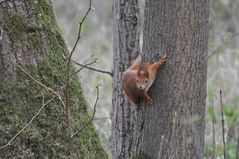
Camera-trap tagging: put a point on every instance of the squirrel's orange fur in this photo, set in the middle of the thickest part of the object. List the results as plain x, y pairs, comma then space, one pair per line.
136, 82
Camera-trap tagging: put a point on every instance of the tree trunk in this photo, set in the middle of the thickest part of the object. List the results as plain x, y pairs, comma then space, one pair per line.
126, 44
173, 127
32, 39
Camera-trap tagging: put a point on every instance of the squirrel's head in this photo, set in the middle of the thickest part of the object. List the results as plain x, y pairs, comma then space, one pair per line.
143, 80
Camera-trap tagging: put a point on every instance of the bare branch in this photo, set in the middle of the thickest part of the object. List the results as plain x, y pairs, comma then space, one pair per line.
41, 84
213, 131
92, 118
223, 45
27, 124
223, 131
87, 59
94, 69
104, 118
237, 152
36, 81
67, 110
84, 66
78, 35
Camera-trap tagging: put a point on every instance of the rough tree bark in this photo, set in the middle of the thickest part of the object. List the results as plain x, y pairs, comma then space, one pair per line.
179, 29
173, 127
32, 39
126, 44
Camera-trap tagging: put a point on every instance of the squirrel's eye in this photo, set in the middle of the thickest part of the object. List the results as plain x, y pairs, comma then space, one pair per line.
146, 81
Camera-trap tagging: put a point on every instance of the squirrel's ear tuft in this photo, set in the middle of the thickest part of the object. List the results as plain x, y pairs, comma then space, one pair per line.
138, 67
146, 69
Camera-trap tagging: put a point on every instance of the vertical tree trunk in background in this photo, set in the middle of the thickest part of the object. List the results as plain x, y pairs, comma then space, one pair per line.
126, 44
173, 127
32, 38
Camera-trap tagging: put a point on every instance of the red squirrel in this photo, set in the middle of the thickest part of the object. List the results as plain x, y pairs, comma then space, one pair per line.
136, 82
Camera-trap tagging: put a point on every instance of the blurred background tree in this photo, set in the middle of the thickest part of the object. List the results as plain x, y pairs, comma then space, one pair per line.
223, 64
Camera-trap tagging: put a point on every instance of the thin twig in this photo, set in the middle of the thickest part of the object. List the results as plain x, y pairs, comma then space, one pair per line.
94, 69
87, 59
41, 84
104, 118
213, 131
223, 45
67, 110
94, 111
68, 77
237, 153
83, 66
27, 124
36, 81
223, 131
79, 34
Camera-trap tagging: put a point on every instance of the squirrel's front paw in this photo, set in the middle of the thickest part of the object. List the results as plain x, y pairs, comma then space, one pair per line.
151, 101
163, 59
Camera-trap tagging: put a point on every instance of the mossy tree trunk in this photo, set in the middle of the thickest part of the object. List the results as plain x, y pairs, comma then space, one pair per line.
32, 39
173, 127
